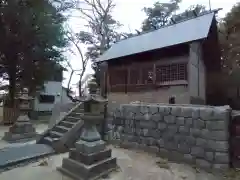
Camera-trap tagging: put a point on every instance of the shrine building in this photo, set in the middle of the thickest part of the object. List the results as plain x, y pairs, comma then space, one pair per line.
175, 61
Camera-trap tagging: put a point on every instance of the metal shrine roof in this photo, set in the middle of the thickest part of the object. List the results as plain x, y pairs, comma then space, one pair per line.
182, 32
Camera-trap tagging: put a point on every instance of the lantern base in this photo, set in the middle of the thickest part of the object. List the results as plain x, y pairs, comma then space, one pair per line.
90, 159
90, 147
77, 170
22, 129
11, 137
88, 166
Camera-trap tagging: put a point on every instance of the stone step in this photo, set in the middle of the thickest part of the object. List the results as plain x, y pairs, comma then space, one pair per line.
89, 172
79, 110
69, 128
48, 140
72, 119
76, 114
55, 134
61, 129
67, 124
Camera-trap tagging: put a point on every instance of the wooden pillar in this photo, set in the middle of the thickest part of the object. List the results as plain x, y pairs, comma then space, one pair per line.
154, 73
103, 78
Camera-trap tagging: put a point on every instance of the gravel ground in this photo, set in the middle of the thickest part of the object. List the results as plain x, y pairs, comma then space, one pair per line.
132, 166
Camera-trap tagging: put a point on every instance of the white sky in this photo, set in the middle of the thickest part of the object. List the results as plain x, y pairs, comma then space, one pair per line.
130, 14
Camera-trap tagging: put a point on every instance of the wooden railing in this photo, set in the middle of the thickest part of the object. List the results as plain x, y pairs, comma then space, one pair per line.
10, 115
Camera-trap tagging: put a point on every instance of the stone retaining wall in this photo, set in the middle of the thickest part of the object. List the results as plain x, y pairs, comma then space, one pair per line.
192, 134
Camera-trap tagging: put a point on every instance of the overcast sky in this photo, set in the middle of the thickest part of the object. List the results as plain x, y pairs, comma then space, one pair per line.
130, 14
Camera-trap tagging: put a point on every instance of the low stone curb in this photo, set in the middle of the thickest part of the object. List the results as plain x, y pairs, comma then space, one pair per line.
24, 159
6, 163
23, 162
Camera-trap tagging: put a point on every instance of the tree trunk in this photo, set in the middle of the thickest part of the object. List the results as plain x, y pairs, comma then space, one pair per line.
238, 94
80, 90
12, 85
80, 87
68, 87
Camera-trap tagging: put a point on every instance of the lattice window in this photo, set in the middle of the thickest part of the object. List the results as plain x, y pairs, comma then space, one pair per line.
182, 69
147, 75
118, 77
171, 72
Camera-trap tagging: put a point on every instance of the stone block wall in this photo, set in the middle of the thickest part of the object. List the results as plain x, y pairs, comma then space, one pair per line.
197, 135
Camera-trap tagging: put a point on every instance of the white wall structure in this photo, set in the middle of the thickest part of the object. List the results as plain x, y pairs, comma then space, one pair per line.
52, 94
64, 97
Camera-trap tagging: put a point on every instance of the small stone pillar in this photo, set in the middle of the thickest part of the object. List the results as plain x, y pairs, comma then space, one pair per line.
22, 128
90, 159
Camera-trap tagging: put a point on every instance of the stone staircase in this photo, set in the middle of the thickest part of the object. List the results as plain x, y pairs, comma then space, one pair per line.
65, 132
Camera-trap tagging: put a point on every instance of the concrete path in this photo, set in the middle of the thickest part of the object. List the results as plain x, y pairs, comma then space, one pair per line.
133, 166
15, 153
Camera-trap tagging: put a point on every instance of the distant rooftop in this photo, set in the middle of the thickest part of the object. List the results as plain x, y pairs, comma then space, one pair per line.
182, 32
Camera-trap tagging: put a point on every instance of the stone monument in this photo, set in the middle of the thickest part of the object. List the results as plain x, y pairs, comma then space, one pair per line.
22, 128
90, 159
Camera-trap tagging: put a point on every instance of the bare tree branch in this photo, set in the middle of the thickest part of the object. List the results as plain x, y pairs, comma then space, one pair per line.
99, 15
73, 38
101, 32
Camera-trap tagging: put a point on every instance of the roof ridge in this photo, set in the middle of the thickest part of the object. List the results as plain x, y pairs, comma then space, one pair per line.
198, 28
183, 20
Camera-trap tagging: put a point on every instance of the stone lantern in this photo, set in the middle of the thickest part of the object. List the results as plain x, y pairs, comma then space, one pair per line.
22, 128
90, 158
